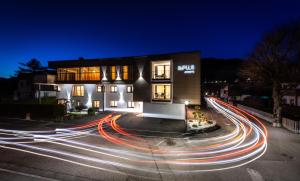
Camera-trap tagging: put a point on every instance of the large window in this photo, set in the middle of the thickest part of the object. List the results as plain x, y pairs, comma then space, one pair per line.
161, 92
125, 72
161, 70
68, 74
90, 73
78, 90
113, 103
96, 104
113, 71
78, 74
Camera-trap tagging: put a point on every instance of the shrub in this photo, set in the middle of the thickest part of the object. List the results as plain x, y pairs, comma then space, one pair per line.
36, 111
80, 107
91, 111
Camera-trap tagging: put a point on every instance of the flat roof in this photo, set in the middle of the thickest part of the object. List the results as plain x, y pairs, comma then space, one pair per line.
110, 61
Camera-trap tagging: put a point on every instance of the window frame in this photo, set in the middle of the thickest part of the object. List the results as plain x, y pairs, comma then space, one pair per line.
113, 89
93, 104
154, 91
113, 72
101, 88
113, 103
130, 104
74, 88
129, 89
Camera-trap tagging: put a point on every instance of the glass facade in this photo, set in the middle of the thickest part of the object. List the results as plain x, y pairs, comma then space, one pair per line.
78, 74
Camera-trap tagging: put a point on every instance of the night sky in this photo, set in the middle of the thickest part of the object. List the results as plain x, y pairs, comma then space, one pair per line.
55, 30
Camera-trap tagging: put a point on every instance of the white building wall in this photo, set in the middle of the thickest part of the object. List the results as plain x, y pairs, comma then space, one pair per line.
121, 96
164, 110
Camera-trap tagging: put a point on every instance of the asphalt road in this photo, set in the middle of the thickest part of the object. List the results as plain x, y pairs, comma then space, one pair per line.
90, 152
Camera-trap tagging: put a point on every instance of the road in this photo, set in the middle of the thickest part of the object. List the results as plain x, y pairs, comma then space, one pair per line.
243, 149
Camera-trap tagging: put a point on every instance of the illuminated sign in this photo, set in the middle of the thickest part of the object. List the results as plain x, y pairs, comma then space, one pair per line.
187, 69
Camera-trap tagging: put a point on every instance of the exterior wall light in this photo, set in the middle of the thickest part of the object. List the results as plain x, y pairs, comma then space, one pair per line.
186, 102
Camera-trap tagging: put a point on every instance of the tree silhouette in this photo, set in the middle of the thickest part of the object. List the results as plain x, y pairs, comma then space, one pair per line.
275, 60
32, 66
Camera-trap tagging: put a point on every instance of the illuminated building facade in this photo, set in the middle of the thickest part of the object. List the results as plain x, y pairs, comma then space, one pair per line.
156, 85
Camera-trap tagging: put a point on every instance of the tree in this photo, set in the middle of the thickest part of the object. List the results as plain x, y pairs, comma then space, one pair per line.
275, 60
32, 66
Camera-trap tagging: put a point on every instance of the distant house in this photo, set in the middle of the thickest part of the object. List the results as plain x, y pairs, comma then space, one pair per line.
291, 94
34, 86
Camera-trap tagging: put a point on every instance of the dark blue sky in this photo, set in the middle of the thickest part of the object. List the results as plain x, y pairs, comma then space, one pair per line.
53, 30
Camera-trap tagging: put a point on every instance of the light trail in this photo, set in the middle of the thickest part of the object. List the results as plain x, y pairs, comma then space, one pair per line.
134, 153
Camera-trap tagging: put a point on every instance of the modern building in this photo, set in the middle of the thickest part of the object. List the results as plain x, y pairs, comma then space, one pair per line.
155, 85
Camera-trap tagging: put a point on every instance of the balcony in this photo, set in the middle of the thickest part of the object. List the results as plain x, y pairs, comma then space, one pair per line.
161, 75
161, 92
90, 76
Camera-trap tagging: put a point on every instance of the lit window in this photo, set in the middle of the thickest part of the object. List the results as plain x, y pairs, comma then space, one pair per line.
161, 70
130, 104
125, 72
113, 88
113, 72
161, 92
113, 103
61, 101
90, 73
96, 104
129, 89
99, 88
78, 90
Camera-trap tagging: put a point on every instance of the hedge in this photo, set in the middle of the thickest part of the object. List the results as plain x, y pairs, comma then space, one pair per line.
36, 111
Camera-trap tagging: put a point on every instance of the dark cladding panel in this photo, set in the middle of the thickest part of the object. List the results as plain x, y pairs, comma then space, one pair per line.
142, 86
186, 78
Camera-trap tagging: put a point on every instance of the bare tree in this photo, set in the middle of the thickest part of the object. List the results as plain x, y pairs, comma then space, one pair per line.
275, 60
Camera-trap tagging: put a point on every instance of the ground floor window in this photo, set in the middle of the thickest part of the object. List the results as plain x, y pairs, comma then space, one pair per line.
96, 104
78, 90
113, 103
61, 101
161, 92
129, 89
113, 88
99, 88
130, 104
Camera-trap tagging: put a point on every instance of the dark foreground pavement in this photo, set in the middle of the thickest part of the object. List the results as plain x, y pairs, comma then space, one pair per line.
281, 161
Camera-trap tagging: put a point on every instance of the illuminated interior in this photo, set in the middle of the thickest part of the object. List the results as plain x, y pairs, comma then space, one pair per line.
78, 73
125, 72
161, 69
161, 92
113, 72
78, 90
113, 103
90, 73
96, 104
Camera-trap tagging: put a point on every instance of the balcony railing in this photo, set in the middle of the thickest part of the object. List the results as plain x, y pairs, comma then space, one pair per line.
161, 97
161, 75
90, 76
